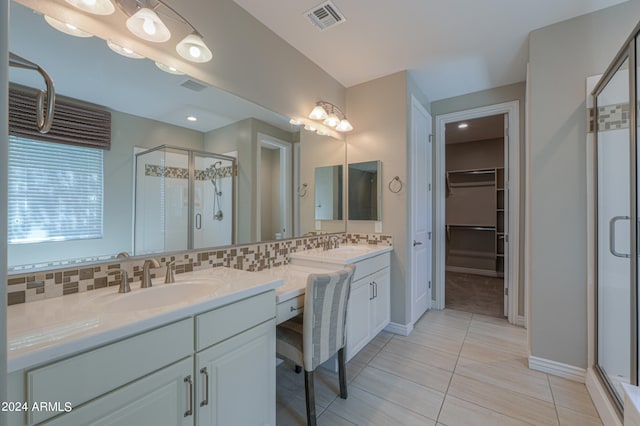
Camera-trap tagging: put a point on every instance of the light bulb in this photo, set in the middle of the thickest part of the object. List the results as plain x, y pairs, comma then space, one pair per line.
66, 27
344, 126
124, 51
97, 7
168, 69
89, 2
194, 51
71, 27
149, 27
309, 128
193, 48
318, 113
332, 120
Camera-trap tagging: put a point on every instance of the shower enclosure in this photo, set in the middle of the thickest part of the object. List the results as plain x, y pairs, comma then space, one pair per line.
616, 220
184, 199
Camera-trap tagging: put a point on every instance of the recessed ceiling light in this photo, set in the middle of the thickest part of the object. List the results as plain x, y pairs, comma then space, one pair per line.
463, 126
192, 118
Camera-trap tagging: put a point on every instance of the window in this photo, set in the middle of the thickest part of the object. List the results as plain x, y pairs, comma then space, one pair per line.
55, 191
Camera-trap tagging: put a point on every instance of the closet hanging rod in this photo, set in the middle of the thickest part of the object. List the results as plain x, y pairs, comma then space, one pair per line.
473, 172
44, 119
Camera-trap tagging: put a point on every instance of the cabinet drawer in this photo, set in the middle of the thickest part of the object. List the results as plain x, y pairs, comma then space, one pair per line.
369, 266
222, 323
86, 376
289, 308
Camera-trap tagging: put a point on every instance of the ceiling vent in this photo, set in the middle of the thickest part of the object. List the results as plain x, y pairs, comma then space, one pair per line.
193, 85
325, 15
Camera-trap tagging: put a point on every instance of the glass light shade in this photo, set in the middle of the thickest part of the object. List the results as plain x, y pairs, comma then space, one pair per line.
318, 113
66, 28
97, 7
332, 120
167, 68
309, 128
124, 51
321, 132
147, 25
294, 122
193, 49
344, 126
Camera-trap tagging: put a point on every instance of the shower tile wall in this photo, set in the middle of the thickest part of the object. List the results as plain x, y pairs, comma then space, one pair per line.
32, 286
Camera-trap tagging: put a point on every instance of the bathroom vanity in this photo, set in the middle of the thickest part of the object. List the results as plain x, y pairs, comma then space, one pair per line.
199, 358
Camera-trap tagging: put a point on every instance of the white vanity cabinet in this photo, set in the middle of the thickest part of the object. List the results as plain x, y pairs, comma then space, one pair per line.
369, 310
211, 368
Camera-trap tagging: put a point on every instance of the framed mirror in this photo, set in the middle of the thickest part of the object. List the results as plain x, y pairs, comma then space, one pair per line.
150, 108
365, 191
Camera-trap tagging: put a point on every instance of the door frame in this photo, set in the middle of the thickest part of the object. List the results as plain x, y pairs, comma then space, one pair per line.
286, 181
512, 164
415, 103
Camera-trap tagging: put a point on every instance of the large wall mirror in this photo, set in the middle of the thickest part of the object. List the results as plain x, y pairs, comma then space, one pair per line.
150, 129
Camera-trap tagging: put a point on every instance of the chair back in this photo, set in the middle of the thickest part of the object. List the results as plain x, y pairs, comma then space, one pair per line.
325, 315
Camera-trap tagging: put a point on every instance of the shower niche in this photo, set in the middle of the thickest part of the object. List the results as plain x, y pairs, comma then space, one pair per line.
184, 199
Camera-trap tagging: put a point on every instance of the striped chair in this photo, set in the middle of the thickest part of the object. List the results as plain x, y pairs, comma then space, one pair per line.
320, 333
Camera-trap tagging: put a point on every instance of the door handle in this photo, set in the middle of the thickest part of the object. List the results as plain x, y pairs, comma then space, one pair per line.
612, 236
205, 373
372, 292
417, 243
198, 221
189, 383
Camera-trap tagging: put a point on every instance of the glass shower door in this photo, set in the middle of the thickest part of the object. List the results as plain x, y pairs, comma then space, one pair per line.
615, 349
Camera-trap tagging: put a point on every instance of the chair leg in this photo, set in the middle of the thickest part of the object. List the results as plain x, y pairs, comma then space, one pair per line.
342, 373
310, 398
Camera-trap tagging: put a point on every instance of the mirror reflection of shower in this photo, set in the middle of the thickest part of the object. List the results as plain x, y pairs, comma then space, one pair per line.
185, 199
217, 206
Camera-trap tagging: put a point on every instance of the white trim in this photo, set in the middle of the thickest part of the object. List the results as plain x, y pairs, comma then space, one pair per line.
463, 270
559, 369
513, 110
521, 321
599, 396
401, 329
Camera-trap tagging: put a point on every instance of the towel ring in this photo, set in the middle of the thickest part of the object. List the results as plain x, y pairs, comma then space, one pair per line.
302, 190
398, 185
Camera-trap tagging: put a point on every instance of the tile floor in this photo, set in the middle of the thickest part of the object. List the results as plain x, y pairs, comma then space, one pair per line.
456, 368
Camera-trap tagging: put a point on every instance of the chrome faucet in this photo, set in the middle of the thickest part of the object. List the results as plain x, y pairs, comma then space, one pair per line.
146, 272
124, 280
169, 277
332, 240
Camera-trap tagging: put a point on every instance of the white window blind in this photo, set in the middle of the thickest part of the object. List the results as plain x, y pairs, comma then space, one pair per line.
55, 192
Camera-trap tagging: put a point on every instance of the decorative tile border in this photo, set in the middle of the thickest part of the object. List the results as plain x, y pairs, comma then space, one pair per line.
32, 286
183, 173
610, 117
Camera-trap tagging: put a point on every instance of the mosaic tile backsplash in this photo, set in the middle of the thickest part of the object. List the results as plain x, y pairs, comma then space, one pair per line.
32, 286
610, 117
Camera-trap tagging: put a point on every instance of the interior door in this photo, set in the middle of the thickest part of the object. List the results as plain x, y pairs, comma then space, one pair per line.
505, 216
421, 214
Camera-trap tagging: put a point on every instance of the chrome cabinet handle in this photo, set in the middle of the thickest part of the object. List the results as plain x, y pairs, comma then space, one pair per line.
198, 221
189, 383
292, 309
612, 236
203, 371
417, 243
373, 291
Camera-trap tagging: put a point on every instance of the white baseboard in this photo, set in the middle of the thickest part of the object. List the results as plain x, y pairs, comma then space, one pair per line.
567, 371
401, 329
521, 322
606, 410
483, 272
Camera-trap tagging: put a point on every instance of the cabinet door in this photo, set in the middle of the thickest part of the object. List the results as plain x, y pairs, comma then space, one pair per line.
237, 379
162, 398
358, 314
380, 304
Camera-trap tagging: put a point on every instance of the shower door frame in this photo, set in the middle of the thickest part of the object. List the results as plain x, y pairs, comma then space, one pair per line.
191, 190
627, 52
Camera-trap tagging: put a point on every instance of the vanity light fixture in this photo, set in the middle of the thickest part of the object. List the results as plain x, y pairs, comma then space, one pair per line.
309, 127
331, 116
145, 22
322, 132
66, 28
124, 51
295, 122
167, 68
96, 7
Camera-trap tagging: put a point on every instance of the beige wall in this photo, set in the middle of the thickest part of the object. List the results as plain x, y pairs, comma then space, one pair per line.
561, 57
4, 131
495, 96
378, 110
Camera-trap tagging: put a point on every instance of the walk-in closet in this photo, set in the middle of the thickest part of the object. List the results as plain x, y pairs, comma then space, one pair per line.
475, 216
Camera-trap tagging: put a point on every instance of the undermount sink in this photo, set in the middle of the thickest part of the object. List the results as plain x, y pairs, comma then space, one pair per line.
151, 298
349, 250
